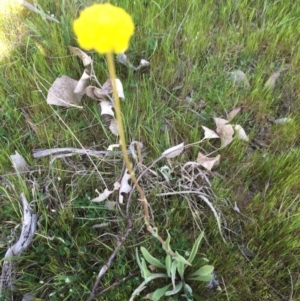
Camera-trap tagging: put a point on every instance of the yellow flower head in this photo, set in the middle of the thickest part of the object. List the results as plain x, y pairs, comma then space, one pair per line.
104, 28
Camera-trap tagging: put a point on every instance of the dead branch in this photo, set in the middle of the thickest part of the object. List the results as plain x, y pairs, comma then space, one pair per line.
28, 230
108, 263
34, 9
69, 151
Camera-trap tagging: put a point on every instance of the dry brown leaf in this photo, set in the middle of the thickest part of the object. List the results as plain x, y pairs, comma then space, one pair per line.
239, 77
100, 93
95, 93
114, 127
174, 151
122, 58
241, 134
107, 108
233, 113
112, 146
86, 59
224, 130
61, 93
102, 196
283, 120
83, 82
107, 87
125, 187
119, 87
207, 162
19, 163
270, 83
209, 134
220, 122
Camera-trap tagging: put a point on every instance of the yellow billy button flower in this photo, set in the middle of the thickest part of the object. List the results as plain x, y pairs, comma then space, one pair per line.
104, 28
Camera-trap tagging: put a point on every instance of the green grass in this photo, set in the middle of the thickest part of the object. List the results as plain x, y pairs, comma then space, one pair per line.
191, 44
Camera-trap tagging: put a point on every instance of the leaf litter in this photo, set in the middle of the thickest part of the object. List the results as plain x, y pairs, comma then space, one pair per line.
68, 92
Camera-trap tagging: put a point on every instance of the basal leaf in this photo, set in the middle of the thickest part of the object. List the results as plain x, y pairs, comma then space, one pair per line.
202, 278
203, 271
168, 262
177, 289
195, 248
152, 260
178, 257
160, 292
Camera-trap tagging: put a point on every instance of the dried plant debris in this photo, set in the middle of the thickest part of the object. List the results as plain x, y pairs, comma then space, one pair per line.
67, 151
36, 10
240, 132
28, 230
174, 151
208, 162
86, 59
122, 58
125, 186
209, 134
61, 93
83, 83
271, 82
68, 92
107, 108
114, 127
239, 78
224, 130
233, 113
282, 120
19, 163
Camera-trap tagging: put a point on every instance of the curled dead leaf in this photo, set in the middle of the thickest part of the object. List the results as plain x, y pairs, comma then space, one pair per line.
241, 134
209, 134
233, 113
86, 59
208, 162
95, 93
102, 196
122, 58
174, 151
270, 83
61, 93
19, 163
224, 130
107, 108
119, 87
83, 82
125, 187
114, 127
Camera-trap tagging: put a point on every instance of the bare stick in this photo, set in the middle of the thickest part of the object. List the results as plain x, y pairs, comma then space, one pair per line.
108, 263
34, 9
27, 233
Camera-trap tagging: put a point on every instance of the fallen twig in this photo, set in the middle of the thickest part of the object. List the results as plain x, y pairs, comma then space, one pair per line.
108, 263
28, 230
34, 9
69, 151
